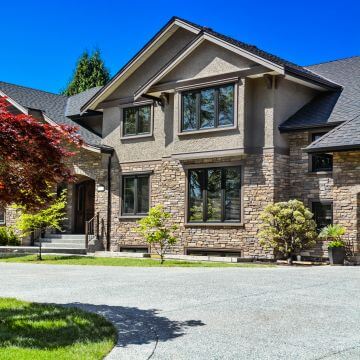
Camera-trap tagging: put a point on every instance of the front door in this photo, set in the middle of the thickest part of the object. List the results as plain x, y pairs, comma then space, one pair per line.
84, 204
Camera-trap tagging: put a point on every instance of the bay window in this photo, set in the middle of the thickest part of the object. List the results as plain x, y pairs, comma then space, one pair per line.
214, 194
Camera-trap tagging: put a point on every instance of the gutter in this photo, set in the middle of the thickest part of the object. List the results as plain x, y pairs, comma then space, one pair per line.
332, 149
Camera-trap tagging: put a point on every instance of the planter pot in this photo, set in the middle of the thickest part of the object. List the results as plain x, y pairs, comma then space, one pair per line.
336, 255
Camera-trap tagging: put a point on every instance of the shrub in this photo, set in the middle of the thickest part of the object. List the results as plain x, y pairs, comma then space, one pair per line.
334, 233
287, 228
156, 230
8, 237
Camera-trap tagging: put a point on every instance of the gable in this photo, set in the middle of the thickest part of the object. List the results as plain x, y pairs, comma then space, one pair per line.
206, 60
149, 67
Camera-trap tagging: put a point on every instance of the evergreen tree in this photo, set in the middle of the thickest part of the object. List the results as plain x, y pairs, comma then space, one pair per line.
90, 72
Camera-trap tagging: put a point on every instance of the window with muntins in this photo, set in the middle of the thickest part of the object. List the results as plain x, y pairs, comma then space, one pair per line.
208, 108
323, 214
135, 195
137, 120
321, 162
214, 195
2, 216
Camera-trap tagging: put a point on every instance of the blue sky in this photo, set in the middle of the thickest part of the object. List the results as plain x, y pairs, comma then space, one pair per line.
41, 40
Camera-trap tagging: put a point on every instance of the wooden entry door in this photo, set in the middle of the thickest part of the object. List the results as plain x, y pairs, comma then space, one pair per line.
84, 204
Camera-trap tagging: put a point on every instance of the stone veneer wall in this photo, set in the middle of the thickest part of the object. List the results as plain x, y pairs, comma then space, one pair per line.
306, 185
342, 186
346, 195
168, 186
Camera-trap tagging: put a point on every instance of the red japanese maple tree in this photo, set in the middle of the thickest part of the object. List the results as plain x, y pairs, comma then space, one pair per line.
31, 157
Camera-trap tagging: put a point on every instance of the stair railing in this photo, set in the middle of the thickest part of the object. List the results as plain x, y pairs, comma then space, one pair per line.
92, 229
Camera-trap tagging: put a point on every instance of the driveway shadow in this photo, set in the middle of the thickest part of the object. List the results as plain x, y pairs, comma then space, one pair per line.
139, 326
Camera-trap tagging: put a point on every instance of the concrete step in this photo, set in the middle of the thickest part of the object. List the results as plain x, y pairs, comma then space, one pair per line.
62, 245
63, 241
65, 236
34, 250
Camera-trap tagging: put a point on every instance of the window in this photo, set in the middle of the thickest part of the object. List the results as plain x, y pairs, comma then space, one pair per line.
135, 195
208, 108
214, 195
323, 213
320, 162
2, 216
137, 120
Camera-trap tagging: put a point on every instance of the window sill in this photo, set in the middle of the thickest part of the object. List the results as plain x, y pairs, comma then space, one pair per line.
130, 137
225, 224
205, 131
324, 172
131, 217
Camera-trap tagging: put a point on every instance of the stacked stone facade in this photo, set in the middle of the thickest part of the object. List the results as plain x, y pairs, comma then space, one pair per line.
168, 187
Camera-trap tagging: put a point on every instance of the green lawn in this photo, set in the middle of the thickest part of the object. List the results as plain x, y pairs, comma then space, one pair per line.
90, 260
50, 332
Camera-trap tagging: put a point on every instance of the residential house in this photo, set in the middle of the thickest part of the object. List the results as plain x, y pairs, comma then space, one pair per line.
214, 129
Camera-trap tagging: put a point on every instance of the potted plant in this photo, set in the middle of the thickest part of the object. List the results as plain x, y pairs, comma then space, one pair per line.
336, 246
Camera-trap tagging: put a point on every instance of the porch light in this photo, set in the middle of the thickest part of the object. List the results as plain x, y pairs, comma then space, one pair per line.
100, 188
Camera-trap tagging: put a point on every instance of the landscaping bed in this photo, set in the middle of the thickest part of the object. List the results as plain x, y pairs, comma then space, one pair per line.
45, 331
100, 261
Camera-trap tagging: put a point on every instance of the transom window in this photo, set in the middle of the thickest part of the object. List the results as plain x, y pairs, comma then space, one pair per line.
2, 216
208, 108
135, 195
214, 195
137, 120
321, 162
323, 213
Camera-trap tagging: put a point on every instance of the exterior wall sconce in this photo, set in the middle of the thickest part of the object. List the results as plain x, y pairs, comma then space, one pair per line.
100, 188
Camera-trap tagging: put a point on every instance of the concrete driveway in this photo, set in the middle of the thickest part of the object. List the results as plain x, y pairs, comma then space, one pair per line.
208, 313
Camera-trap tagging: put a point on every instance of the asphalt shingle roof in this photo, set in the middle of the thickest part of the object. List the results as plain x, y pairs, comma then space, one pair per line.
332, 107
75, 102
344, 137
52, 105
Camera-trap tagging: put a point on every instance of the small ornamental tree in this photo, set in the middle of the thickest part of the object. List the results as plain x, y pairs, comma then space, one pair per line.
287, 228
156, 230
31, 157
50, 217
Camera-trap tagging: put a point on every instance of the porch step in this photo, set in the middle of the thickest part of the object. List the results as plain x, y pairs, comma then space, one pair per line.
67, 245
63, 241
65, 236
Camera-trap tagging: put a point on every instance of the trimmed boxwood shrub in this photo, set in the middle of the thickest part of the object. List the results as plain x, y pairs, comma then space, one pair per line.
8, 237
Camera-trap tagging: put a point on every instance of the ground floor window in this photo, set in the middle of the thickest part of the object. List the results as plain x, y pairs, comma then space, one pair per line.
214, 194
323, 213
135, 195
2, 216
323, 161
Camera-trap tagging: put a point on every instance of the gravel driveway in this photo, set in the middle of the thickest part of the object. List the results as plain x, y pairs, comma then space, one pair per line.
208, 313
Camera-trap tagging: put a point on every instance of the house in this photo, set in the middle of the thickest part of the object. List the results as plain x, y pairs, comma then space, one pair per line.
214, 129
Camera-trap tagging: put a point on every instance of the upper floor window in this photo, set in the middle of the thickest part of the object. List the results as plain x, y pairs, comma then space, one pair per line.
323, 213
214, 194
208, 108
135, 195
321, 162
137, 120
2, 216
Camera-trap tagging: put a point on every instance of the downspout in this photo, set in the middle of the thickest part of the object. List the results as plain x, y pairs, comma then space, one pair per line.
108, 230
110, 151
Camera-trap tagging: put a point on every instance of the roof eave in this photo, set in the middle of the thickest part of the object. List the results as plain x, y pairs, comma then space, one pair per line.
308, 128
335, 148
